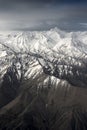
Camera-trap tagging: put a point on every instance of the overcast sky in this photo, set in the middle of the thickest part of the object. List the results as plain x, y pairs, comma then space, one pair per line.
43, 14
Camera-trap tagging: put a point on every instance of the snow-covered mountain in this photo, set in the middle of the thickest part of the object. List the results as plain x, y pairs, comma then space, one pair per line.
71, 42
23, 48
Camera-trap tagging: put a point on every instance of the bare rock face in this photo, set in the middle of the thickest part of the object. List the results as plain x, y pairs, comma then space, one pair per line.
9, 87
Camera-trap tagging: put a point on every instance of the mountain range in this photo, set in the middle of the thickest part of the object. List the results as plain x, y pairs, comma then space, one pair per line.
43, 80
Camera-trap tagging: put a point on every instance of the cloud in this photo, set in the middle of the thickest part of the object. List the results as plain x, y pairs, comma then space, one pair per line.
27, 14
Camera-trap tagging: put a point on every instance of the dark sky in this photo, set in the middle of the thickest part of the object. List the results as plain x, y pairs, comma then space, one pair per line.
43, 14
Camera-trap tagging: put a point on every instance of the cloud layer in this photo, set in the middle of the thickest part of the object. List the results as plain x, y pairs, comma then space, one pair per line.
32, 15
